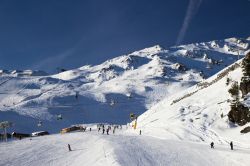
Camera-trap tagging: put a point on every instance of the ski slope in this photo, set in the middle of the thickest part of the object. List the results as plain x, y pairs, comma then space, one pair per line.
92, 148
200, 117
109, 92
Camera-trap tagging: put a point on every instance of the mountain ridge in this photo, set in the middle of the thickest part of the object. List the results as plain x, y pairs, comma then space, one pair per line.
110, 91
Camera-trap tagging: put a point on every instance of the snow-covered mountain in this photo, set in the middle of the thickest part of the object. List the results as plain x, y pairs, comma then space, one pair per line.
109, 92
22, 73
199, 113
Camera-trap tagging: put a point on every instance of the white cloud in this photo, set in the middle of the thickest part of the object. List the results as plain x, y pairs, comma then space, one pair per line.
52, 62
192, 9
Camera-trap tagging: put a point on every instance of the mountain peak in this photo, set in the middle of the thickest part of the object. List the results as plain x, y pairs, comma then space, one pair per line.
149, 51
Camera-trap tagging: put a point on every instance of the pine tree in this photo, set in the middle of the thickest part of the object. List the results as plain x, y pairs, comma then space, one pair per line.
239, 113
234, 91
246, 65
245, 80
227, 81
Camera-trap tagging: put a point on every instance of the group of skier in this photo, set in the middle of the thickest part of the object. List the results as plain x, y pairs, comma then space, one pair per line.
231, 145
102, 128
108, 128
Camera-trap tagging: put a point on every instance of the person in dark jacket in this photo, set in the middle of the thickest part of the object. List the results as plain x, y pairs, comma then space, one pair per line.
69, 147
107, 131
103, 130
140, 132
212, 145
231, 145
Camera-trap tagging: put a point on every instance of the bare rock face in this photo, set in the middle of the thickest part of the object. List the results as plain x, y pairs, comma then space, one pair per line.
239, 114
245, 130
180, 67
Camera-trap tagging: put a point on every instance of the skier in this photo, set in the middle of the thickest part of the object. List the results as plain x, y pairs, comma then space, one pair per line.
69, 147
99, 128
114, 131
107, 131
103, 130
231, 145
140, 132
212, 145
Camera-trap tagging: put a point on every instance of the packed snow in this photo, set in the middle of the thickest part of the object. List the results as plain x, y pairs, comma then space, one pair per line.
93, 148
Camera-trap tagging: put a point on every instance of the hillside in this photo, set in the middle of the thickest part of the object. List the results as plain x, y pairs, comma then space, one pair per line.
109, 92
200, 116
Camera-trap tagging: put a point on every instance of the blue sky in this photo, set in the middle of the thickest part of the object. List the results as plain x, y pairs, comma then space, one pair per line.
46, 34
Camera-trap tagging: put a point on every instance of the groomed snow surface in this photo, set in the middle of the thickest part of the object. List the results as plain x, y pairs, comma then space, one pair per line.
94, 149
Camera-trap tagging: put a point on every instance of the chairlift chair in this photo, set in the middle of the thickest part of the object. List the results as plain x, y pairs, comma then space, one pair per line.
39, 124
112, 102
59, 117
208, 66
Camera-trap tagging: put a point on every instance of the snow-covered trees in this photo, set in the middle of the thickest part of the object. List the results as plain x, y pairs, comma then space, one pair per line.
245, 81
246, 65
239, 113
234, 91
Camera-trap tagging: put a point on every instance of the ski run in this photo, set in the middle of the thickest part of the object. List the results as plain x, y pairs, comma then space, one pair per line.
93, 148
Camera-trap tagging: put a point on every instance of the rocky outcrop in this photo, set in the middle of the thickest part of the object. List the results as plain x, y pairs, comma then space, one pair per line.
203, 85
245, 86
239, 114
246, 130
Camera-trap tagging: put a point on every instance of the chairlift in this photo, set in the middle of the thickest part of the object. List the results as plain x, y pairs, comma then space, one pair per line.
59, 117
112, 102
129, 95
132, 116
208, 66
39, 124
4, 125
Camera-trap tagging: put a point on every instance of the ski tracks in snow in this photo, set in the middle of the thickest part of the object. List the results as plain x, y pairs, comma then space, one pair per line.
148, 151
92, 148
